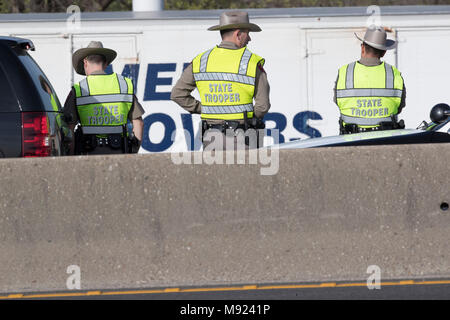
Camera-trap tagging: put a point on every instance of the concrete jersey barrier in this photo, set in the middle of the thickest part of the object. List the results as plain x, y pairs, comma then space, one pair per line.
134, 221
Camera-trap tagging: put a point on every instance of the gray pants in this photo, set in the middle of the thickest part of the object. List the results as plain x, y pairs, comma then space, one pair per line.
214, 139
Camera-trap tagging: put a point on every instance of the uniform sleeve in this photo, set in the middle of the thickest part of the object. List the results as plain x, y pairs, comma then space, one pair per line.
262, 91
335, 90
136, 110
70, 110
403, 100
181, 92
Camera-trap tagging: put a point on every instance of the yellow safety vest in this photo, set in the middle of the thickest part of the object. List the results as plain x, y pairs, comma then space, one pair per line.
225, 79
104, 100
368, 95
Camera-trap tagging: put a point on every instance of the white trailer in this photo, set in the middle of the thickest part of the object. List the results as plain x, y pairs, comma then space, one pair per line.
303, 48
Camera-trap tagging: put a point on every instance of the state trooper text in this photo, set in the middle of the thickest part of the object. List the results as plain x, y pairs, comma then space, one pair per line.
106, 115
374, 108
221, 97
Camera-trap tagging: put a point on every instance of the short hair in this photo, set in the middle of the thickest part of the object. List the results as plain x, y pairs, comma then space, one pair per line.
377, 52
96, 58
224, 33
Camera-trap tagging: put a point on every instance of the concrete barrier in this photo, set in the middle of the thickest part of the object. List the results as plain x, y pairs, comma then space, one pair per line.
133, 221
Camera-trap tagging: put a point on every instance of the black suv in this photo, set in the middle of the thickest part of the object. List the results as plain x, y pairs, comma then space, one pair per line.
31, 119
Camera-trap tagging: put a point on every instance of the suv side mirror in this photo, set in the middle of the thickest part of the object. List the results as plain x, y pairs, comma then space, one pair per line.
440, 112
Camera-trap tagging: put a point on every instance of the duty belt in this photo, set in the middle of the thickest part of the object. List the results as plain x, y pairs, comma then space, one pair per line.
249, 123
353, 128
384, 125
252, 123
369, 129
112, 141
224, 126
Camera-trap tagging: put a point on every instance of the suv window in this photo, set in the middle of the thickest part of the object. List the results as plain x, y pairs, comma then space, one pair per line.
8, 99
25, 78
43, 86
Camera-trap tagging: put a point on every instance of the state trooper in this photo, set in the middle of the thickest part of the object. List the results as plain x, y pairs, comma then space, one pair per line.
102, 104
370, 93
228, 77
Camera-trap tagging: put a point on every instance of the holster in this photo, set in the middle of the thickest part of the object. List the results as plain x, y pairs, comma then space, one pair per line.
252, 123
85, 143
349, 128
258, 125
133, 145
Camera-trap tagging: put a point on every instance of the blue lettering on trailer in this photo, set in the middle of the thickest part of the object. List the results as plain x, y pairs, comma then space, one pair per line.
299, 122
191, 141
169, 128
154, 80
132, 71
280, 124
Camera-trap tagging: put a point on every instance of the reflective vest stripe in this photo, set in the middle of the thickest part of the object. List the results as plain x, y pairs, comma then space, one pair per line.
84, 87
364, 121
361, 92
122, 84
102, 129
221, 76
108, 104
227, 116
204, 60
226, 82
227, 109
243, 66
389, 76
244, 62
368, 95
105, 98
349, 78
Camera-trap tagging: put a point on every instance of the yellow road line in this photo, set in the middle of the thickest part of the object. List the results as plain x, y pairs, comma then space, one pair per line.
328, 285
213, 289
240, 288
172, 290
46, 295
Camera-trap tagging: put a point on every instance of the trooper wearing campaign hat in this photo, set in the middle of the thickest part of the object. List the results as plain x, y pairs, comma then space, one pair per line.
93, 48
231, 80
102, 104
370, 93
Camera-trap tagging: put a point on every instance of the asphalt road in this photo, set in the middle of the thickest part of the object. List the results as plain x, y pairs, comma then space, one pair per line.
432, 292
253, 302
393, 290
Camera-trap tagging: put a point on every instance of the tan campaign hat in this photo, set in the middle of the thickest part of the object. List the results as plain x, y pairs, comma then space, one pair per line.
235, 20
376, 37
94, 47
